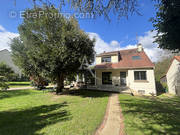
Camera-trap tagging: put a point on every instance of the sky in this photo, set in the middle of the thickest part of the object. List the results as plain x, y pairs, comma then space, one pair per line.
114, 35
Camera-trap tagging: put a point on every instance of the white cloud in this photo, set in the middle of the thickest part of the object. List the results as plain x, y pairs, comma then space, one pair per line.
101, 45
2, 28
150, 48
5, 37
114, 43
147, 40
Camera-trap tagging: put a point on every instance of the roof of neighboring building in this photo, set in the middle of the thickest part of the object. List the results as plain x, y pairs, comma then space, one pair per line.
163, 76
126, 60
177, 58
5, 57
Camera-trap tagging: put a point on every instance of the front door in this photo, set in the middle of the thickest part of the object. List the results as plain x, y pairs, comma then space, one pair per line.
123, 78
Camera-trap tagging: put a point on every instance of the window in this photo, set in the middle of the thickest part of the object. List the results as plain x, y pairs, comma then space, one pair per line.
106, 59
106, 78
140, 75
142, 92
136, 57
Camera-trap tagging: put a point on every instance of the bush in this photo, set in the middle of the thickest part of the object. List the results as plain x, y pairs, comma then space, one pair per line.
39, 82
161, 87
6, 73
3, 84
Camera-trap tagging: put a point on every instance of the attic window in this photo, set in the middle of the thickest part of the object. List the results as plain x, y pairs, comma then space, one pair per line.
106, 59
136, 57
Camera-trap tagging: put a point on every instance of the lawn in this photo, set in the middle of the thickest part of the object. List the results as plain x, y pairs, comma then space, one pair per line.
32, 112
19, 84
151, 116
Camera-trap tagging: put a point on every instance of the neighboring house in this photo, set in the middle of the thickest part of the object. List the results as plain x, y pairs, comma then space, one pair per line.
125, 69
163, 79
5, 57
173, 76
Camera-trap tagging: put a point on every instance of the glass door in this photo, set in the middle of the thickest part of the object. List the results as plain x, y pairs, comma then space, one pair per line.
123, 78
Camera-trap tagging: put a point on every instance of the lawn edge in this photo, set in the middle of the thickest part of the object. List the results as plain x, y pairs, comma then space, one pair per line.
122, 126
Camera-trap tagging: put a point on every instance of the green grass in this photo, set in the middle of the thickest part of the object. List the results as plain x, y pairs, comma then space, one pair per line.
151, 116
32, 112
19, 84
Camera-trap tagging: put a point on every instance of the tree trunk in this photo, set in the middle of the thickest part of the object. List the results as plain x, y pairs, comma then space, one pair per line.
60, 83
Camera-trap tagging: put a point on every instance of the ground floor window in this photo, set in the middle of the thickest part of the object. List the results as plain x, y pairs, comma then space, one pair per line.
140, 75
106, 77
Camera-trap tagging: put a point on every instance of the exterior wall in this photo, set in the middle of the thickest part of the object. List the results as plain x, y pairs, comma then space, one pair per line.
98, 60
148, 86
114, 59
172, 76
5, 57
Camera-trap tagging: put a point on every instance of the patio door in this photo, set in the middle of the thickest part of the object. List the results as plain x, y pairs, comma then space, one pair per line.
123, 78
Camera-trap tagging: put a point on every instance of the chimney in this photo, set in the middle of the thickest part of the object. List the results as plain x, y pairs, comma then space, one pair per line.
139, 47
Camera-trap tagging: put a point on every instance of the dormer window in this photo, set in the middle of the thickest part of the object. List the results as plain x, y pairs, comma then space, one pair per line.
106, 59
136, 57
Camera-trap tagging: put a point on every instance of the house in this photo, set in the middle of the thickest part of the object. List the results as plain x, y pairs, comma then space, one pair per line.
163, 79
5, 57
125, 69
173, 76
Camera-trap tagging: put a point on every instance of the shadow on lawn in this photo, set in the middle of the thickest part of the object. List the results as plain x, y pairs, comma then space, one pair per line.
29, 121
158, 116
87, 93
13, 93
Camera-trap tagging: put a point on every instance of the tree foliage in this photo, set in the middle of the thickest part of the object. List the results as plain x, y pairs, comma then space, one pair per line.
167, 24
21, 59
161, 67
121, 8
6, 73
53, 45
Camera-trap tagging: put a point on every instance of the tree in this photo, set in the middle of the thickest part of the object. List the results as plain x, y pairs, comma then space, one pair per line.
167, 24
122, 8
54, 46
6, 73
21, 59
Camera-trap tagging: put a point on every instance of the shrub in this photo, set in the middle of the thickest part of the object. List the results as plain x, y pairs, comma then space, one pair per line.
38, 82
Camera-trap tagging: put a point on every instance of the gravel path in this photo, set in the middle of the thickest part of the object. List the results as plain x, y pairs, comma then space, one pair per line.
113, 120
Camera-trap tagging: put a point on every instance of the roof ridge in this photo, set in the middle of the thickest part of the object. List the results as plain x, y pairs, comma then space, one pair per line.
118, 50
4, 50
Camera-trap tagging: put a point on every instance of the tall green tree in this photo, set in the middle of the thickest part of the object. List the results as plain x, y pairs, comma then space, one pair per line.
167, 24
54, 46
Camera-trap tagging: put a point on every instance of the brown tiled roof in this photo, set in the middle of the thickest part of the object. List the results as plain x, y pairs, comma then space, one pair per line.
177, 58
126, 61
